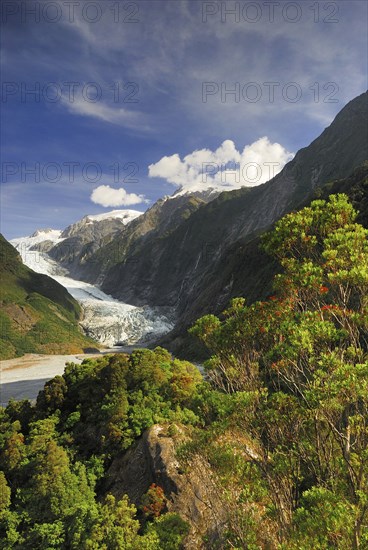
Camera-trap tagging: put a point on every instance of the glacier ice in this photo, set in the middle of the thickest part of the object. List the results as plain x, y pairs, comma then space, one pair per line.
105, 319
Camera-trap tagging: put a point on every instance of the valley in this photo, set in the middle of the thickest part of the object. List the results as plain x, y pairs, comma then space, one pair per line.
105, 319
184, 275
142, 278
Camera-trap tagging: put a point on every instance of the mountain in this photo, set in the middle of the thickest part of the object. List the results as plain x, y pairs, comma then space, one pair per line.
104, 224
157, 222
77, 248
37, 315
81, 239
191, 253
178, 264
246, 270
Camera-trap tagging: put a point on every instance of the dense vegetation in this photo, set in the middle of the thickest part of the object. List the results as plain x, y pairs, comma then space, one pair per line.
297, 367
54, 455
282, 419
37, 314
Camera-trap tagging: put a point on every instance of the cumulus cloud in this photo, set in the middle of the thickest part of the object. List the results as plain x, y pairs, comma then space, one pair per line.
225, 168
107, 196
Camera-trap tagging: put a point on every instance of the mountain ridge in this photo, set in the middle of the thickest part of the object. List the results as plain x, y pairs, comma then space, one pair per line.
168, 268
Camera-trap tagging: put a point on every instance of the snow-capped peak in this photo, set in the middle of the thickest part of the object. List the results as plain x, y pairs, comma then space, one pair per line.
39, 236
125, 215
48, 233
205, 193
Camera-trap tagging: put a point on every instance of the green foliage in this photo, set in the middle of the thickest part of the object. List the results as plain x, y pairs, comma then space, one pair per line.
54, 455
118, 397
281, 431
170, 530
323, 520
114, 527
302, 354
4, 494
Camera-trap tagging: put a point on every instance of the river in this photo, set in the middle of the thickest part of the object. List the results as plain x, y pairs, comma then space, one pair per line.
23, 377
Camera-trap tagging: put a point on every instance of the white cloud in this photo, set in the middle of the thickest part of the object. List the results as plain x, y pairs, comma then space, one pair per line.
107, 196
225, 168
99, 110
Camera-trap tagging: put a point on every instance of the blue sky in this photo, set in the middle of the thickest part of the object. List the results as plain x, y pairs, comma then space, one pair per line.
152, 84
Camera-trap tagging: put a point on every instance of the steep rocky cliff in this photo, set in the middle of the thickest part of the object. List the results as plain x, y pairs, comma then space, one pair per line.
129, 246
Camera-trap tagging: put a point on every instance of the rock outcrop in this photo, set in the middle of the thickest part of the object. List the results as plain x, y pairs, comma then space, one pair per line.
191, 492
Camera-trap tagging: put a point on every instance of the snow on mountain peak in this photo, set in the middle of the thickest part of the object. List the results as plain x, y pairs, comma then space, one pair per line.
39, 236
205, 193
48, 233
125, 215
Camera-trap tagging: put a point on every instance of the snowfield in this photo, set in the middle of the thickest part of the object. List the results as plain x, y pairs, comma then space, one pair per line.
105, 319
125, 215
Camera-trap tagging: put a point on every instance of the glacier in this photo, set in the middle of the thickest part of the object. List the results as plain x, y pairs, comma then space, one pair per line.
104, 319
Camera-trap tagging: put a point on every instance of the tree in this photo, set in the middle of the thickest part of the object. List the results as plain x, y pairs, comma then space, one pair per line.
170, 529
53, 394
322, 358
304, 353
116, 527
4, 494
